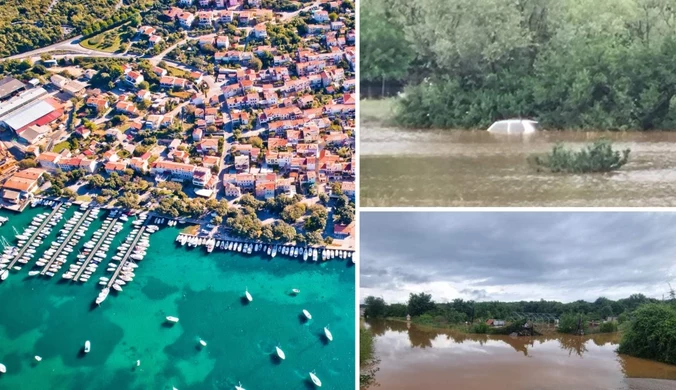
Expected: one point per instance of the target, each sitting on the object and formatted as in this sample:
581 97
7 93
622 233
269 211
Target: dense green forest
30 24
571 64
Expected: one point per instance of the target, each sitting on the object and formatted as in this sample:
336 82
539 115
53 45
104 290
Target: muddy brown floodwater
421 358
476 168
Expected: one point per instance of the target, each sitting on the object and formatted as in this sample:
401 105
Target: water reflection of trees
421 337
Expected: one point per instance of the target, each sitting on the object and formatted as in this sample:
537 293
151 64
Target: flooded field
422 358
475 168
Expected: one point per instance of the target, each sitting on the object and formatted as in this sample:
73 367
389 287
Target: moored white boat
280 353
172 319
315 380
307 314
328 334
87 346
248 295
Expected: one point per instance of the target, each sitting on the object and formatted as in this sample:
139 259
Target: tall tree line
571 64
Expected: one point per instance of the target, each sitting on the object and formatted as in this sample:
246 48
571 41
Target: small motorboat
38 358
138 363
172 319
295 291
280 353
315 380
3 369
203 343
328 334
307 314
247 295
87 346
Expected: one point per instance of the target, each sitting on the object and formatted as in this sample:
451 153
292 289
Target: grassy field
108 41
176 72
380 110
61 146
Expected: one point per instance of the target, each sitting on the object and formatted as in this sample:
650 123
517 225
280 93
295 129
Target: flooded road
422 358
475 168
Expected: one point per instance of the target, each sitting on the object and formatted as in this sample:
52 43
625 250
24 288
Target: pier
32 238
95 249
66 241
125 258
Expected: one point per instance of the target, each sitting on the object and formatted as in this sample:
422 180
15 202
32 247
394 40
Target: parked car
514 126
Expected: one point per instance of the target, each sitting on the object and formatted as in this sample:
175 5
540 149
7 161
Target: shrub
597 157
568 323
651 334
608 327
480 328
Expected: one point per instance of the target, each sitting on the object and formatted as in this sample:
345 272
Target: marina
109 227
304 252
66 241
31 239
134 326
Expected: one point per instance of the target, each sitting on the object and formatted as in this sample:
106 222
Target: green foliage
651 334
572 323
367 359
480 328
28 163
608 327
375 307
598 157
419 304
572 64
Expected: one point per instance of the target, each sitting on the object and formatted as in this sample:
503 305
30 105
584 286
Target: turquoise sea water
52 318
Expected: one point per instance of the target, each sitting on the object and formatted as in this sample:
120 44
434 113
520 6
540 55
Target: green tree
375 307
419 304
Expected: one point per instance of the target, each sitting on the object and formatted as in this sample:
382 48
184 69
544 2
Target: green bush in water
570 322
608 327
480 328
651 334
597 157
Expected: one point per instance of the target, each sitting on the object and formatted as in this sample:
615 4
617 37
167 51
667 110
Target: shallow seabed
53 318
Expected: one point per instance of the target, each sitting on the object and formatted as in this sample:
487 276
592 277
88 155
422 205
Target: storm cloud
507 256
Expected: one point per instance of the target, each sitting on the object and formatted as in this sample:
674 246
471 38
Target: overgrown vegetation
597 157
473 315
572 64
367 359
651 334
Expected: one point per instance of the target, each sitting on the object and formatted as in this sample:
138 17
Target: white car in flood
514 126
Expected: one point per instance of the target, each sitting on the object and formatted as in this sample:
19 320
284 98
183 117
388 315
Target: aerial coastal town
234 118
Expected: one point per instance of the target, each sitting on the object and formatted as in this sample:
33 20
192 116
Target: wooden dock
95 249
66 241
34 236
125 258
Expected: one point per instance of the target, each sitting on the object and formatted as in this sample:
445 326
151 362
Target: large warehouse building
39 113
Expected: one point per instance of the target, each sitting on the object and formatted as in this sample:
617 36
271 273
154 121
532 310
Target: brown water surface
475 168
412 357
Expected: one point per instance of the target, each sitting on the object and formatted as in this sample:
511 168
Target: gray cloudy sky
516 255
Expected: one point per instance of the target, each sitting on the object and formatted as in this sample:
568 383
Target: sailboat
247 295
327 333
307 314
